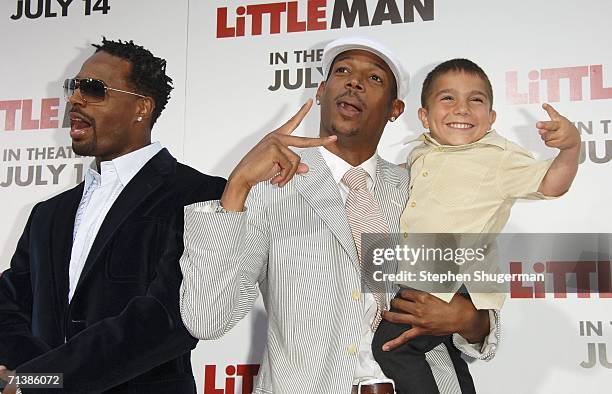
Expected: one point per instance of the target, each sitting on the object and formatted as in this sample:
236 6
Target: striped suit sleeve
225 257
486 350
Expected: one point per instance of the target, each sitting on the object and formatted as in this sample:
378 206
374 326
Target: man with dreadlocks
92 289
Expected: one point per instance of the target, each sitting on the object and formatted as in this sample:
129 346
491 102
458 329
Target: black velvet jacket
122 331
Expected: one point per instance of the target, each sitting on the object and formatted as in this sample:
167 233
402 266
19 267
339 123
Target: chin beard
349 132
87 149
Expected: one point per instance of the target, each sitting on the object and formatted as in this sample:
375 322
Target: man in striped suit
293 240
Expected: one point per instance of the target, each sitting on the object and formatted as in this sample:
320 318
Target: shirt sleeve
520 175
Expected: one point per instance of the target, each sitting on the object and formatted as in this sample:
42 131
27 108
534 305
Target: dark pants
407 365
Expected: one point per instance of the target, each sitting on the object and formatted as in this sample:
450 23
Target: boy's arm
560 133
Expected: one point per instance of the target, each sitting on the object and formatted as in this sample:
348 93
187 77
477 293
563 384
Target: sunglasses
91 90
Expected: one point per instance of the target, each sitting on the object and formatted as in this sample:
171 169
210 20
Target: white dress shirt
99 194
367 371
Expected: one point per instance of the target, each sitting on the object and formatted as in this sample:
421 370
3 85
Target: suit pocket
135 251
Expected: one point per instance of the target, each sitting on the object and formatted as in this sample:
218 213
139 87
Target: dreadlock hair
148 73
455 65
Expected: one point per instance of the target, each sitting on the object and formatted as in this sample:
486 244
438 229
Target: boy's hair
455 65
148 72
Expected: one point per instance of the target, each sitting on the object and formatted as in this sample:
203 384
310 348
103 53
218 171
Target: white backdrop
225 100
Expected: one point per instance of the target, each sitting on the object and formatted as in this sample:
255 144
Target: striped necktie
364 216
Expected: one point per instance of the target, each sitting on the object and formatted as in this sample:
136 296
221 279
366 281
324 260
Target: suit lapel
146 182
61 243
320 191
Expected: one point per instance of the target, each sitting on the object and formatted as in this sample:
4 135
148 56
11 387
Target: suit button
352 350
425 173
413 204
355 295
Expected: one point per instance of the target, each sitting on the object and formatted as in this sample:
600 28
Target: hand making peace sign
270 159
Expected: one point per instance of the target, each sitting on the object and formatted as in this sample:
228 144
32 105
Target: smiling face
458 110
358 99
108 129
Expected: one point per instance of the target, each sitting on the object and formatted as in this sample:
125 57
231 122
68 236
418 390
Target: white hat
344 44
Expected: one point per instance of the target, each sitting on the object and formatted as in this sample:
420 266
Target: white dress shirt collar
339 167
123 167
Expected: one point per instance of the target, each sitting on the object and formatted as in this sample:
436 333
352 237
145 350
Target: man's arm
225 258
226 252
430 315
17 344
560 133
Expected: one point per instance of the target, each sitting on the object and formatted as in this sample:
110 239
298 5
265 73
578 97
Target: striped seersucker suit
293 244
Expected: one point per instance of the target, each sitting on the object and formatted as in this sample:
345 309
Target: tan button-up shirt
468 188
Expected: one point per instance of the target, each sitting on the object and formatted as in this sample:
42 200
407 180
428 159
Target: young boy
464 179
